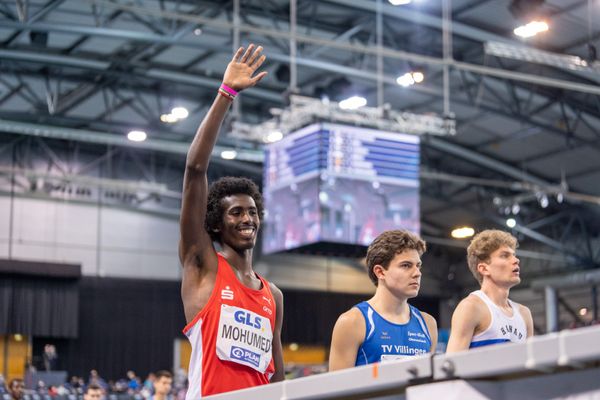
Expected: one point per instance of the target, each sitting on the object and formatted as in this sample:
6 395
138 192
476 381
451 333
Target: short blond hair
484 244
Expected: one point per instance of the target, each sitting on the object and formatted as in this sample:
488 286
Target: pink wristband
229 90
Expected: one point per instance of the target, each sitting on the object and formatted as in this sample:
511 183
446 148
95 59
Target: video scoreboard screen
339 184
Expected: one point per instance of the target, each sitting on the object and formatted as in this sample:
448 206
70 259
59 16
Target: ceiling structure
76 76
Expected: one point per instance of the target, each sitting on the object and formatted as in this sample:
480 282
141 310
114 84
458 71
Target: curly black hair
224 187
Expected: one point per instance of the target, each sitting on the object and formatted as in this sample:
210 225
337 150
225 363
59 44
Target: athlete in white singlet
487 316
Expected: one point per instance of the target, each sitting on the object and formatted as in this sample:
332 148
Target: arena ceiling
527 142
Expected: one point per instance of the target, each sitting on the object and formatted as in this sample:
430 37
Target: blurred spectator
16 388
162 385
133 383
93 392
149 382
50 357
96 379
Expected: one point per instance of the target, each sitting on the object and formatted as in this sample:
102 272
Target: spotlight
228 154
168 118
399 2
511 222
516 209
180 112
464 232
274 136
137 136
531 29
352 103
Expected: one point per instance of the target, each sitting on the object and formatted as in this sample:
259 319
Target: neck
498 294
240 260
386 302
159 396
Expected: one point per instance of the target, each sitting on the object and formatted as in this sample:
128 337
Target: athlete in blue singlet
385 341
487 316
386 327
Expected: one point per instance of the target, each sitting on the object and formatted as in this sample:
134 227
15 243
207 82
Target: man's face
162 386
93 394
17 389
503 267
240 223
403 275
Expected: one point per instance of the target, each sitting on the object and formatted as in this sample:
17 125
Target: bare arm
465 320
348 335
433 330
277 350
195 246
526 313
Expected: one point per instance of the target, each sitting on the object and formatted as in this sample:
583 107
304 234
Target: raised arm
195 246
348 335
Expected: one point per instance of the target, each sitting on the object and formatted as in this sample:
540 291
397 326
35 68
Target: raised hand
243 65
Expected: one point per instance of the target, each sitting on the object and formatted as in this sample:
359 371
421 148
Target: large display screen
339 184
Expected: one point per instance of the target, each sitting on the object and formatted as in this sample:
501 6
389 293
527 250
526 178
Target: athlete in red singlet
234 316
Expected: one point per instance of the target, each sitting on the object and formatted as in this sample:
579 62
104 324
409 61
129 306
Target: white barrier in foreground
531 370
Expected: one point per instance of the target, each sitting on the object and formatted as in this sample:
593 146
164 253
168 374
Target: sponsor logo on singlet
509 330
417 337
399 350
227 294
245 355
244 337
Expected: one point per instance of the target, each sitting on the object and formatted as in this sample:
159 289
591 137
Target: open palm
243 65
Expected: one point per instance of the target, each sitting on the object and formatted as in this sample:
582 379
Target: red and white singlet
231 337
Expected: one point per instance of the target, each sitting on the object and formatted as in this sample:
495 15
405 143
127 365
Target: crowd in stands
161 385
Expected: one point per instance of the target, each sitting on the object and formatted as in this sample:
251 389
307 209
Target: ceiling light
531 29
516 208
137 136
511 222
583 311
544 201
228 154
274 136
528 54
168 118
197 31
294 346
405 80
410 78
463 232
399 2
180 112
352 103
418 76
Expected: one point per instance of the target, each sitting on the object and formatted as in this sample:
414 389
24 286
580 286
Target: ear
379 271
482 268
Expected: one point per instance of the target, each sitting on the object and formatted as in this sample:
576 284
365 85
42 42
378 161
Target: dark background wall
131 324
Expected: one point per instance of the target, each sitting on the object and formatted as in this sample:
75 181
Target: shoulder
524 310
429 320
471 303
472 309
351 318
276 292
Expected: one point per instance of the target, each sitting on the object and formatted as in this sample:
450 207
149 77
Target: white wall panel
126 243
